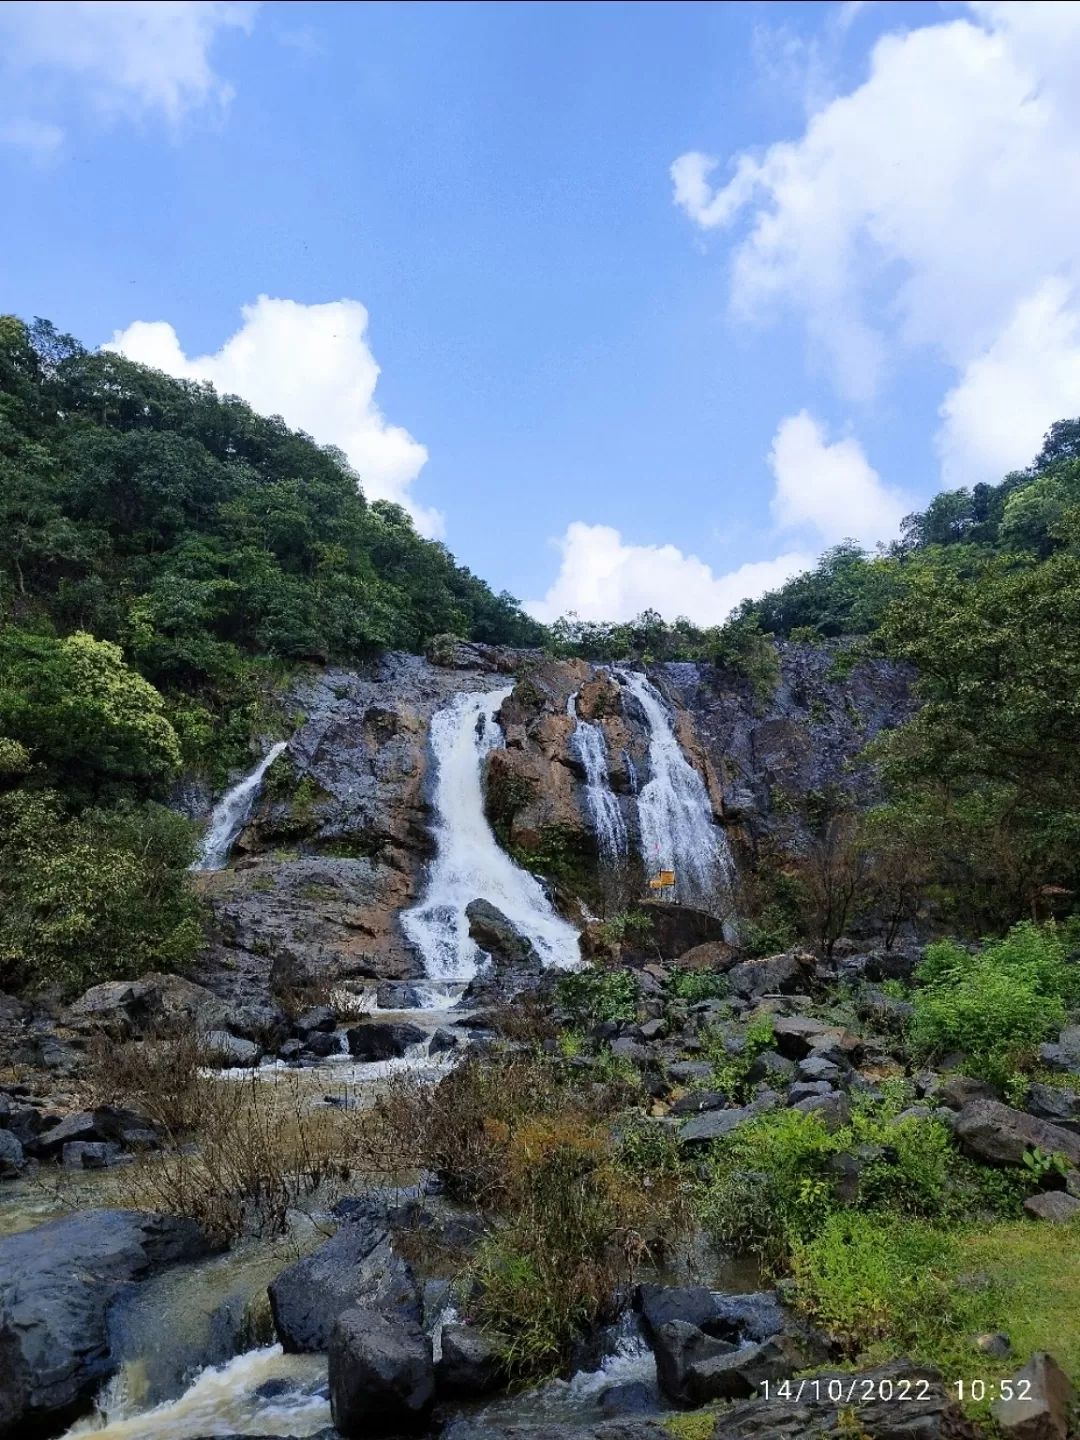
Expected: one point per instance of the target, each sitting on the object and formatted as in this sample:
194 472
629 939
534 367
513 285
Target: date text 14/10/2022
851 1390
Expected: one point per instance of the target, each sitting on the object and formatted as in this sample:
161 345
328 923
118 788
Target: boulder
684 1072
80 1126
89 1154
383 1039
442 1040
470 1363
676 930
698 1101
776 975
777 1069
513 955
956 1091
12 1159
998 1135
1053 1103
320 1045
715 1124
318 1018
713 955
833 1110
356 1268
815 1067
382 1377
228 1050
1040 1410
930 1413
396 995
154 1004
1054 1205
693 1368
797 1035
126 1127
56 1285
804 1089
661 1305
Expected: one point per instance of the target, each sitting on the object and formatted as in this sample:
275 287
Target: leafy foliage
996 1006
93 897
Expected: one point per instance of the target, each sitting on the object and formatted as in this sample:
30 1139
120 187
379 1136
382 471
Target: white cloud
923 207
602 578
40 140
996 417
129 57
831 488
310 364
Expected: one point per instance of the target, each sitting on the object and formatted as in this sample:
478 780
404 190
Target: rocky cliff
337 846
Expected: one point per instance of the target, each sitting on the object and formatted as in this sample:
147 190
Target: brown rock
1038 1407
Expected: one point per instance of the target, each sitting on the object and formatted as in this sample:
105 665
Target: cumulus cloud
310 364
995 418
128 57
925 207
603 578
833 489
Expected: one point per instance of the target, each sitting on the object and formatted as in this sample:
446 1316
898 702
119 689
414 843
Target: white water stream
677 828
468 864
232 810
590 745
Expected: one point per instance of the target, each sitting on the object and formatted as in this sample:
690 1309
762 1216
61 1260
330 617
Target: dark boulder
57 1283
51 1142
956 1091
382 1377
1053 1103
697 1101
1053 1205
864 1404
674 932
470 1364
513 955
127 1128
797 1035
397 995
12 1158
383 1039
998 1135
356 1268
776 975
660 1305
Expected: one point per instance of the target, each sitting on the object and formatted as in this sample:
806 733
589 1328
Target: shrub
589 996
696 985
94 897
995 1006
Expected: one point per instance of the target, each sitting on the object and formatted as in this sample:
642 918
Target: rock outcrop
57 1283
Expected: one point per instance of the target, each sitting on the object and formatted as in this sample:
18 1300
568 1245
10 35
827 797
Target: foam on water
468 864
224 1400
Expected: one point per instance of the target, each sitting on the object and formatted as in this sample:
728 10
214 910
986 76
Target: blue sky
632 303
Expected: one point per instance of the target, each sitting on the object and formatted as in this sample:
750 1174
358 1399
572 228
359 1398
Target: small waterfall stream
677 829
469 864
232 810
590 746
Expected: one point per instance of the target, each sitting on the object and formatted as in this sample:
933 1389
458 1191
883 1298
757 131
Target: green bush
93 897
868 1278
995 1006
694 986
589 996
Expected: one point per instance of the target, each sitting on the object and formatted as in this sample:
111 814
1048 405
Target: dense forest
165 555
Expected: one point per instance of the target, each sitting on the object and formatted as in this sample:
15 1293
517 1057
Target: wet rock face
56 1285
760 762
336 846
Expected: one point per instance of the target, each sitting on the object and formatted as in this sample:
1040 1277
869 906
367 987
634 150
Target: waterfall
230 813
468 864
677 828
590 746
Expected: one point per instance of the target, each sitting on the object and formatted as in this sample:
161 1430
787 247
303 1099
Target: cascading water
230 813
590 746
469 865
677 829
